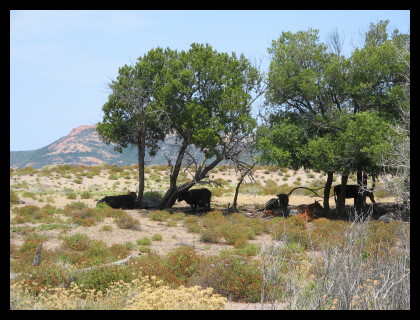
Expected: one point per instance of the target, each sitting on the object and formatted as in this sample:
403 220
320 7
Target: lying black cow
351 192
196 197
277 203
126 201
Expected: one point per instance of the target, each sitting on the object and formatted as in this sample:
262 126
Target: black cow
351 192
126 201
272 204
196 197
277 203
283 203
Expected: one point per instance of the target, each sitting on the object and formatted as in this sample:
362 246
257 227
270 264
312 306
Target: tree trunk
174 177
141 154
327 189
235 198
200 174
341 201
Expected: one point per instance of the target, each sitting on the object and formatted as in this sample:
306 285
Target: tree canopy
329 112
324 111
201 96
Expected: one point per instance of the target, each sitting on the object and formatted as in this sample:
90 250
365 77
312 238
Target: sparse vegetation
304 265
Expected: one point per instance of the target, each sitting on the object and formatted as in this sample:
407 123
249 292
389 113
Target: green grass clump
14 199
145 241
76 242
33 214
128 222
159 215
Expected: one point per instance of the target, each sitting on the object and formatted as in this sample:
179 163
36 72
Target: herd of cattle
202 197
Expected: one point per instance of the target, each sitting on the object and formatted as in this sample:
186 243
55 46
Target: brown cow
308 215
306 211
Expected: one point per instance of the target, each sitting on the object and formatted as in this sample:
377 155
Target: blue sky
62 61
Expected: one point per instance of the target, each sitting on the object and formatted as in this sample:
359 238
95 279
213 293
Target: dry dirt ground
48 189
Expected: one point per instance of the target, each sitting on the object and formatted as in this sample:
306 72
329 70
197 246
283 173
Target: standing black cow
126 201
196 197
351 192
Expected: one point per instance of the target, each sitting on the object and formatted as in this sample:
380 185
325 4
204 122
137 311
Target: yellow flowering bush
144 293
181 298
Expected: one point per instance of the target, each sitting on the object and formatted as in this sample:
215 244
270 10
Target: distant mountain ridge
83 146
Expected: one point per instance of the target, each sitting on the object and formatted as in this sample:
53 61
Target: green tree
209 96
321 93
201 96
131 114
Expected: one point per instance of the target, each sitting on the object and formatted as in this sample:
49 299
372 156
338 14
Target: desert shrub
284 188
85 195
159 215
258 226
183 262
130 246
217 192
144 241
181 298
128 222
78 180
85 217
271 190
98 253
31 243
193 227
77 242
101 278
285 271
162 167
230 276
212 234
106 211
31 213
153 194
71 196
213 223
381 238
157 237
106 228
153 264
177 216
144 248
213 219
14 199
22 230
172 223
44 276
27 212
351 276
76 205
238 236
292 229
328 233
250 249
27 171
